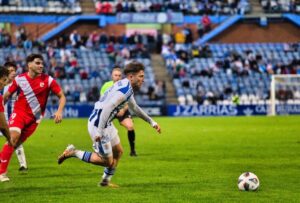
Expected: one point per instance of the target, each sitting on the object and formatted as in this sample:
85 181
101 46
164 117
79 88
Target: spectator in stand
106 8
125 53
119 6
206 23
112 38
188 34
166 38
180 41
98 6
145 6
200 29
84 39
122 39
242 6
110 50
75 39
132 7
195 51
5 39
103 39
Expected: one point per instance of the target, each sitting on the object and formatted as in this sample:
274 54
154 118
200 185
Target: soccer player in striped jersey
106 141
9 106
34 88
124 115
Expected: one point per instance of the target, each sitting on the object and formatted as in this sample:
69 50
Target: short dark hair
118 68
10 64
31 58
3 71
133 67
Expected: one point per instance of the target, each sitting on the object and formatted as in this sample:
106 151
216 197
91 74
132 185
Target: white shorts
107 141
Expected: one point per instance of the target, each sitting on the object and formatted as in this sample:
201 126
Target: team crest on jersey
42 84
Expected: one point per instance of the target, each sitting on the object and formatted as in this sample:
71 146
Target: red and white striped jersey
33 93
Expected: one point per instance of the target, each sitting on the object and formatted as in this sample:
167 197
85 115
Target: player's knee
130 127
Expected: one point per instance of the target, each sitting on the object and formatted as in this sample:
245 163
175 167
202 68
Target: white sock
83 155
108 173
79 154
21 156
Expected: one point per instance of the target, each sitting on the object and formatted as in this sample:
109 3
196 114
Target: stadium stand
194 7
213 73
81 70
40 6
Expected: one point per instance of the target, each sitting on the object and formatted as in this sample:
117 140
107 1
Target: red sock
6 154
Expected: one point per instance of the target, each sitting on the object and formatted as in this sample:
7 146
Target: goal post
284 92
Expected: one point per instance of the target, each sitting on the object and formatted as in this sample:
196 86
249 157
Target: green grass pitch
193 160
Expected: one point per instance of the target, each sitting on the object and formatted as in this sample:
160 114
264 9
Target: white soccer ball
248 181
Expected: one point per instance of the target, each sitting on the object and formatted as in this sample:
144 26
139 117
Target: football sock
131 138
83 155
21 156
108 173
6 154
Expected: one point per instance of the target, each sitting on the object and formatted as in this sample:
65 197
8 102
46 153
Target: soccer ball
248 181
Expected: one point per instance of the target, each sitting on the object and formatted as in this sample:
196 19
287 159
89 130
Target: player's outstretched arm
140 113
58 115
4 127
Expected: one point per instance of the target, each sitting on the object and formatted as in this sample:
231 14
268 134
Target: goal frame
272 110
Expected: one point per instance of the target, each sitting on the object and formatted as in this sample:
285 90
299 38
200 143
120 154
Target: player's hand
57 117
157 128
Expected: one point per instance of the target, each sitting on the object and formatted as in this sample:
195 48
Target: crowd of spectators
86 59
191 62
41 6
280 6
187 7
194 7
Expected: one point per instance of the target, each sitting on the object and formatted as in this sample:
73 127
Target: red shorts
23 124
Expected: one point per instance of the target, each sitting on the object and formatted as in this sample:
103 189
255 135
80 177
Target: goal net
285 95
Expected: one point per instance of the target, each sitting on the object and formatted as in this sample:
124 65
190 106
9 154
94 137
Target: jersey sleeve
1 104
13 87
54 86
139 111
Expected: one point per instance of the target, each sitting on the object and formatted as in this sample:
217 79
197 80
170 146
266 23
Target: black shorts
125 115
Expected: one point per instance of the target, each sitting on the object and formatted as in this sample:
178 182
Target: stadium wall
238 33
252 33
84 110
35 30
89 26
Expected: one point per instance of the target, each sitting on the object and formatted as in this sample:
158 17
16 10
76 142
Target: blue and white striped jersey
112 101
9 106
